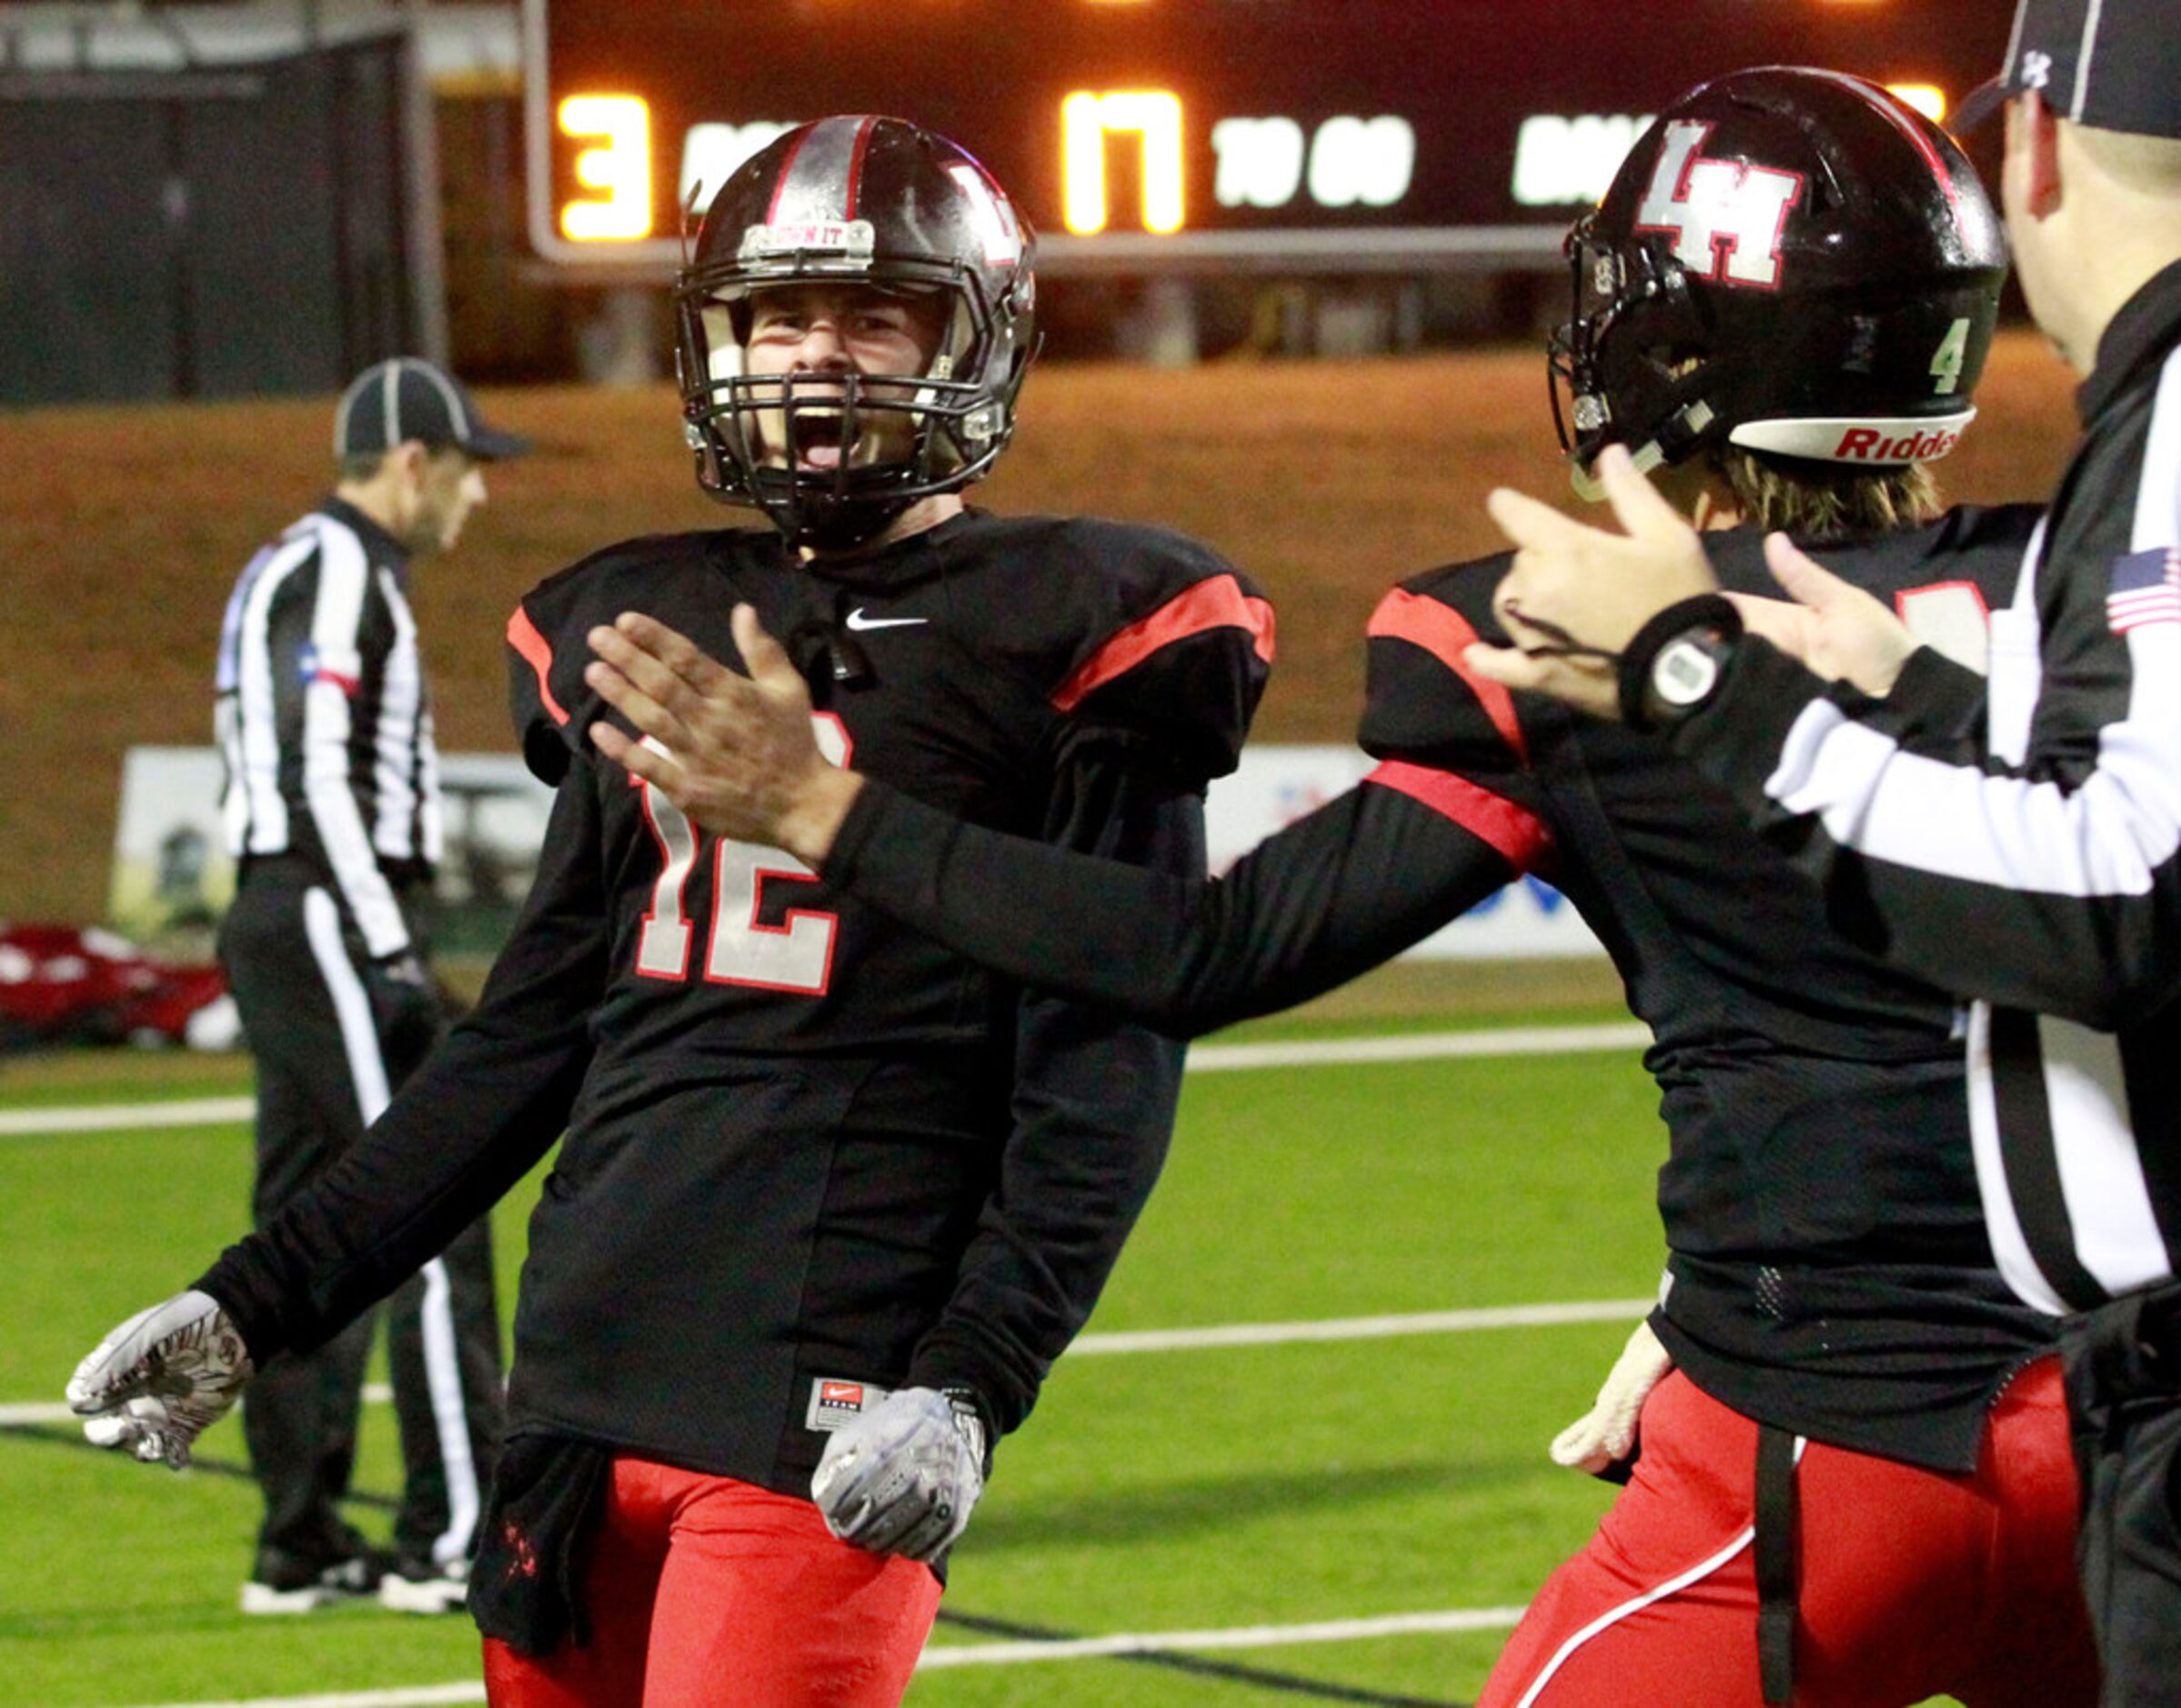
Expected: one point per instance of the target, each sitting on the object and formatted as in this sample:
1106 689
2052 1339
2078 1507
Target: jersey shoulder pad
1421 702
1141 628
548 700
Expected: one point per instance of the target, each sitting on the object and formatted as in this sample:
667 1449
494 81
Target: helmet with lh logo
1791 261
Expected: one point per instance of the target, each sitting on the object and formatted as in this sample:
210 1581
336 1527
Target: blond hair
1820 500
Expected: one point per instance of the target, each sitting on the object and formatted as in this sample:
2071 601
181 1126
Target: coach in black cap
2017 842
332 810
2094 62
2092 96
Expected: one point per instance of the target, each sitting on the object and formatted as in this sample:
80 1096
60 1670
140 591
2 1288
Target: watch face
1684 672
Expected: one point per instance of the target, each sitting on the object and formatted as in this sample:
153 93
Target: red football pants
1910 1582
706 1591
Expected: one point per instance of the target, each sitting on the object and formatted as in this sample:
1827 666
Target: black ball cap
407 397
2112 65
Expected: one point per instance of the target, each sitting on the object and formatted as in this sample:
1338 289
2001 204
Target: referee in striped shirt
2017 841
332 811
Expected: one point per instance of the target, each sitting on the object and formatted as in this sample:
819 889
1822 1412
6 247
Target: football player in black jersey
831 1196
1855 1485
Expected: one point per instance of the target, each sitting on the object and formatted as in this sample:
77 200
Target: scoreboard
1147 135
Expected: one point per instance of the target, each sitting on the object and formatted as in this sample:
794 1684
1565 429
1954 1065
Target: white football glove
155 1382
902 1478
1608 1431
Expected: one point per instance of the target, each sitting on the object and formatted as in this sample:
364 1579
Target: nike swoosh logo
859 623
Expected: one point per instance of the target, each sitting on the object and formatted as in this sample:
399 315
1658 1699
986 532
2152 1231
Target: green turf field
1154 1492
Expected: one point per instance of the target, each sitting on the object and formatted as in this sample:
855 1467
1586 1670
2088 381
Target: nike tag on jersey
858 623
835 1402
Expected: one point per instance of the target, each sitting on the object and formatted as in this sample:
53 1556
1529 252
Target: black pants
333 1038
2124 1399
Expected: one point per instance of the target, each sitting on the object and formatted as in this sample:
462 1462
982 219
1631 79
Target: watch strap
1711 615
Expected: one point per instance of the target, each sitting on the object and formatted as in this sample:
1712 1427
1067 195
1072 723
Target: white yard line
1361 1328
1332 1052
1520 1040
197 1112
999 1653
1199 1339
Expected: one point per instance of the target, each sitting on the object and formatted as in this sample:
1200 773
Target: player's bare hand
1576 595
1838 630
736 754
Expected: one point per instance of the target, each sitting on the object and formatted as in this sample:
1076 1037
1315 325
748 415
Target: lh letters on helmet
1727 217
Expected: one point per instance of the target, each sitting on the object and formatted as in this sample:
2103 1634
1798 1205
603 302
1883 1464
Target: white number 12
795 955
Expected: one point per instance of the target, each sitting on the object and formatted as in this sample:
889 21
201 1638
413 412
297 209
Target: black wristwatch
1676 662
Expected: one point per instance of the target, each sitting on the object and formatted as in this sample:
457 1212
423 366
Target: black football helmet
1790 260
865 200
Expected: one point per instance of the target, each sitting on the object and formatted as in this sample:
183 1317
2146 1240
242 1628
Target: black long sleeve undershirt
1092 1110
1329 896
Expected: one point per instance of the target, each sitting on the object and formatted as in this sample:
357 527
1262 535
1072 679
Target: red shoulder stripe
1519 837
523 636
1444 633
1219 603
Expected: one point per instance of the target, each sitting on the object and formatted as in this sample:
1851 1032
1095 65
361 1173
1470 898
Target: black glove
405 1006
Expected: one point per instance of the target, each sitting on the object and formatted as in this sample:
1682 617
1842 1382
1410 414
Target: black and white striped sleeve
2043 871
334 667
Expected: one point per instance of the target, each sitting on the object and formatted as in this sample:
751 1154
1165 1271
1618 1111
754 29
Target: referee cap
407 397
2112 65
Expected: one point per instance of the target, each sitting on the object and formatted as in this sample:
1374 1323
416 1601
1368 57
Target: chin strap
836 526
1675 440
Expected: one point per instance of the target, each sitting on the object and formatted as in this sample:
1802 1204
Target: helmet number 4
1947 360
795 955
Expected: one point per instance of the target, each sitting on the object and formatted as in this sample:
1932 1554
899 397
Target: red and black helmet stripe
821 181
1894 114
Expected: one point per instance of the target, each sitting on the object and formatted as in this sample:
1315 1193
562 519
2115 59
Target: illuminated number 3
795 955
620 166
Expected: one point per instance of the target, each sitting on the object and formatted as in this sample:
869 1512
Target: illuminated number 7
1155 116
797 955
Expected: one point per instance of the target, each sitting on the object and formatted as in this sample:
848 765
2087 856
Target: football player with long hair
831 1198
1854 1483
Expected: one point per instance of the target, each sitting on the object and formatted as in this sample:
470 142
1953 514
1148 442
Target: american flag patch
2146 588
313 666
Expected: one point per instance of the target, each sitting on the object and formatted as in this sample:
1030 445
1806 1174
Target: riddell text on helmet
1868 445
